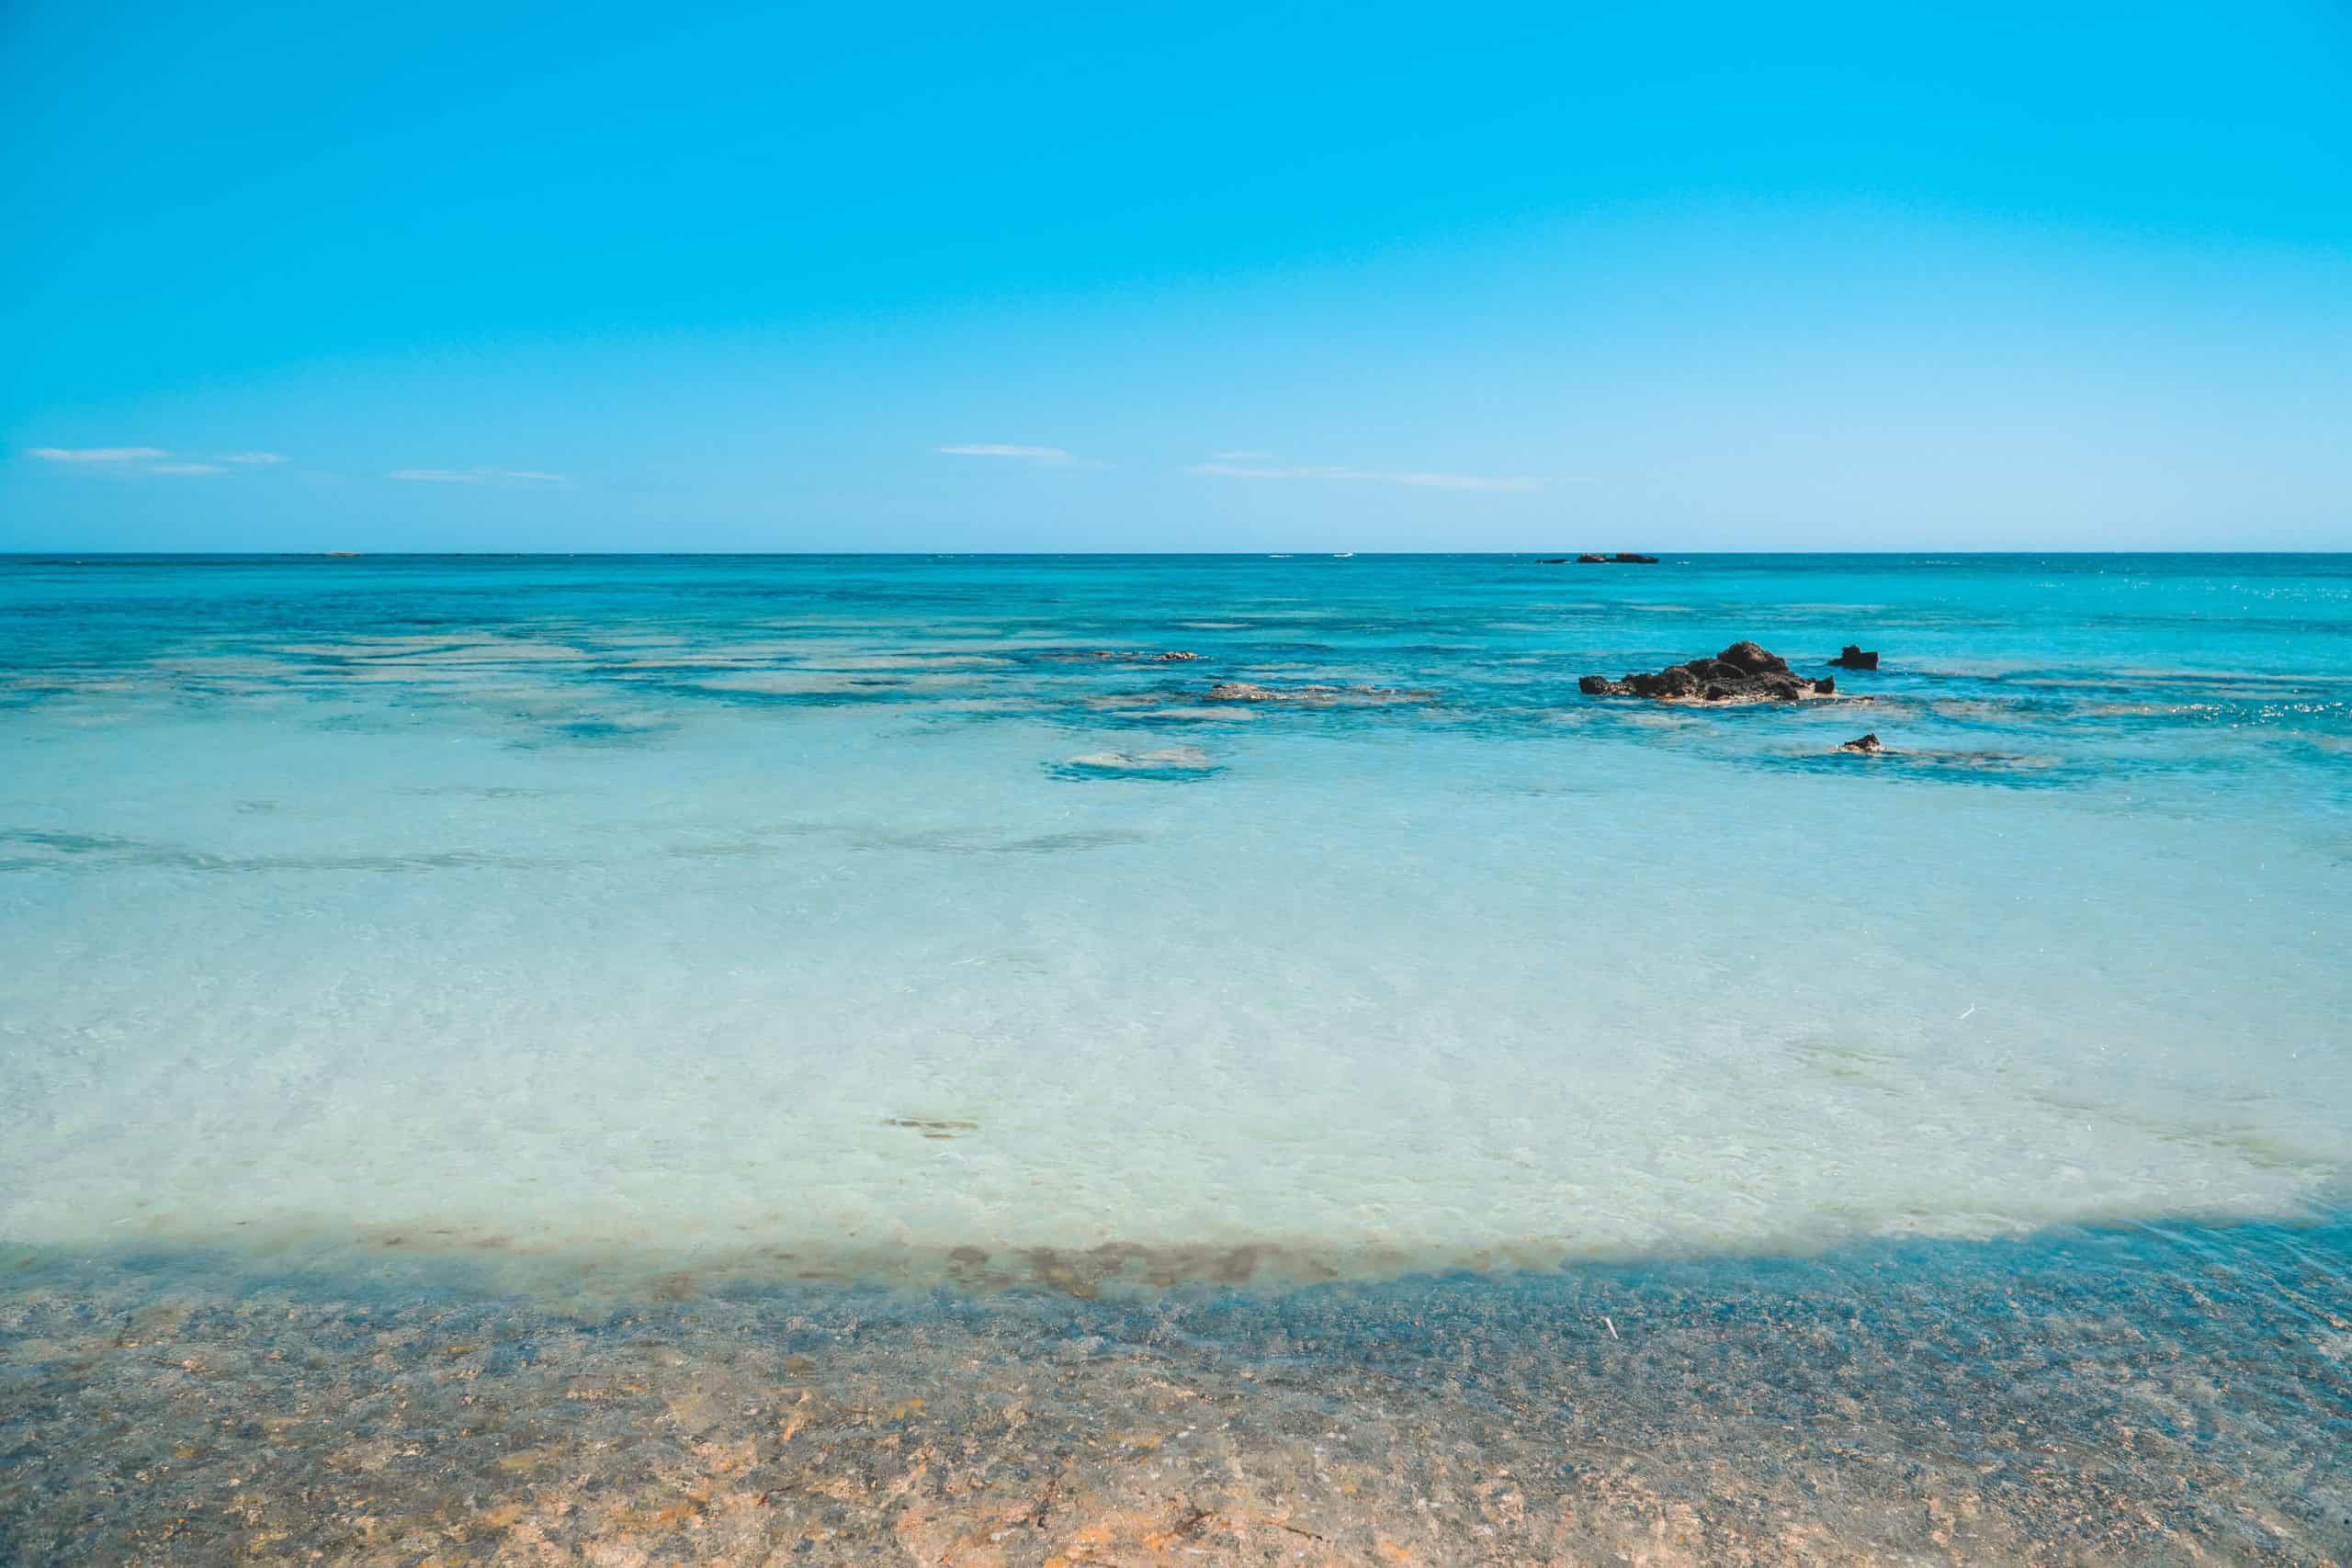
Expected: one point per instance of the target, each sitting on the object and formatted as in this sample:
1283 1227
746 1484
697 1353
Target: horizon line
1314 553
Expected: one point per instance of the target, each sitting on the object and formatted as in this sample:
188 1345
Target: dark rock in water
1627 558
1744 672
1552 560
1866 744
1853 658
1591 560
1753 658
1825 687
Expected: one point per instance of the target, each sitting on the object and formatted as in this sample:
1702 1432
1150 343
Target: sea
635 1059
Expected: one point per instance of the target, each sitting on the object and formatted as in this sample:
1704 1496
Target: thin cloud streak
1233 471
1051 455
98 454
153 459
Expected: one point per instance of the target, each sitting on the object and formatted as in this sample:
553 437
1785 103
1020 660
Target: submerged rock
1853 658
1742 673
1315 696
1166 759
1865 744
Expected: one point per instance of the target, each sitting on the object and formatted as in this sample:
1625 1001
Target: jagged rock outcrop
1744 672
1630 558
1868 745
1853 658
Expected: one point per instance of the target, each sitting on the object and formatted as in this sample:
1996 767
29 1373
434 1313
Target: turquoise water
908 919
729 1060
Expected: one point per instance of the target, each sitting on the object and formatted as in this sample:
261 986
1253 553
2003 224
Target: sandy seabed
2145 1397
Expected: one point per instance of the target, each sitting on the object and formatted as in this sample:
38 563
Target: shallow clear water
2150 1397
820 1060
859 918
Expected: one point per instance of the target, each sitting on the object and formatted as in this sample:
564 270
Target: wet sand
2146 1396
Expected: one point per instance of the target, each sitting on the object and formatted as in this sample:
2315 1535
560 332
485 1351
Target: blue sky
444 277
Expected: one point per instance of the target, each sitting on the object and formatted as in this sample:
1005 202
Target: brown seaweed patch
1086 1273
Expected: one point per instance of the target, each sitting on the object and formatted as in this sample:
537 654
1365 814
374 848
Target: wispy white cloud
477 477
1050 455
154 459
1243 456
1230 466
98 454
